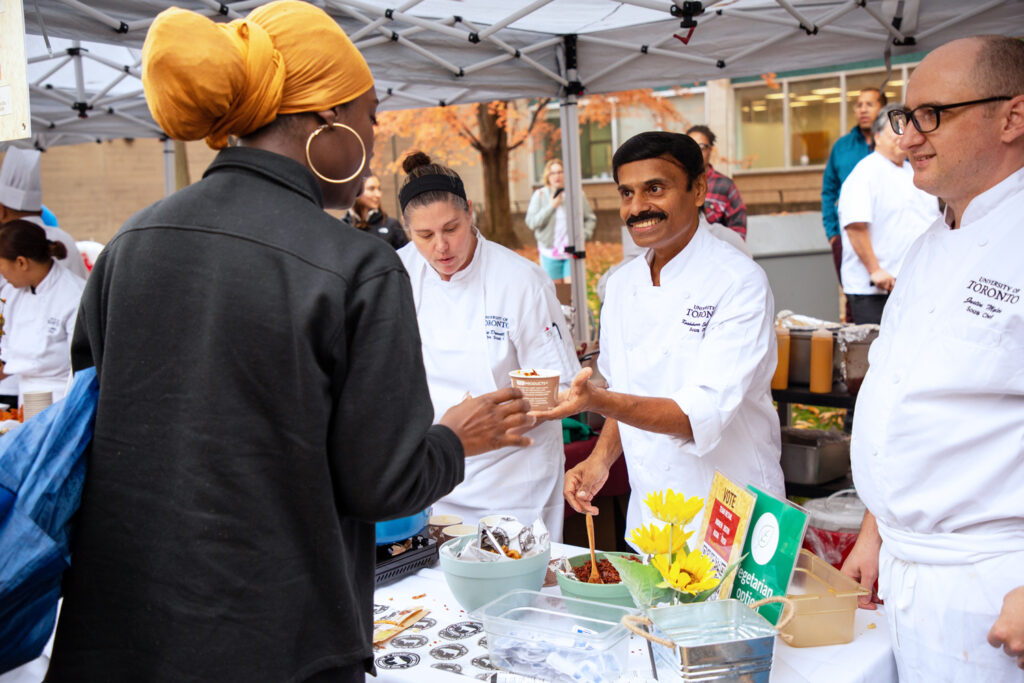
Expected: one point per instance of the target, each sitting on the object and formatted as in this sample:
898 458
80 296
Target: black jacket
262 402
381 225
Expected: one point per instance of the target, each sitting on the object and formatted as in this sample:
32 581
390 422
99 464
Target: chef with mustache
687 345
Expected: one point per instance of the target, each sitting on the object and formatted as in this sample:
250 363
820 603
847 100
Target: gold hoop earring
321 176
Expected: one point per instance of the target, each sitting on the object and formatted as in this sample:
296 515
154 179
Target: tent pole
570 124
169 168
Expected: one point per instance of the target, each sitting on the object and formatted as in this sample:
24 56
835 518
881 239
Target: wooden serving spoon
595 576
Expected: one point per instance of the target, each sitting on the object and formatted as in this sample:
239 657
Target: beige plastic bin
824 602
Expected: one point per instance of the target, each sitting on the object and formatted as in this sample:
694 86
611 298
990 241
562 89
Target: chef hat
211 80
21 187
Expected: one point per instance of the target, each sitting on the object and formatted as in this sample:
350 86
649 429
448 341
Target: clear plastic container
825 603
555 638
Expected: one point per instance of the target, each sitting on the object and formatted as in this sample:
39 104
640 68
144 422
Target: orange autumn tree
486 133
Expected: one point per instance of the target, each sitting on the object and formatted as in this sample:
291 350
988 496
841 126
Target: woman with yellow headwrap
262 394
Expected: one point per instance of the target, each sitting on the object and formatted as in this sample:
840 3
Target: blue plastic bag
42 469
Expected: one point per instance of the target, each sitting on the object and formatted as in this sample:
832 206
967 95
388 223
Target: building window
762 131
795 122
813 120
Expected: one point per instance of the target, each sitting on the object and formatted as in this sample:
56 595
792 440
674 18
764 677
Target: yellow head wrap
209 80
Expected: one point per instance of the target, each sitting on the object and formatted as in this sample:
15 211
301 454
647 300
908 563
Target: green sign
773 543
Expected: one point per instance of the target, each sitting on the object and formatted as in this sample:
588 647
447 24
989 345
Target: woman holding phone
549 221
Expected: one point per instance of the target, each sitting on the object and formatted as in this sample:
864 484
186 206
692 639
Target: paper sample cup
539 387
437 523
35 402
457 530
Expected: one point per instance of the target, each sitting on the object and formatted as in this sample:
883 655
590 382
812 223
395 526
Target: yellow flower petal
691 573
654 541
672 507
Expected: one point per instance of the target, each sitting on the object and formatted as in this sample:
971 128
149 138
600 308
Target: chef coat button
666 467
896 378
982 243
931 309
874 452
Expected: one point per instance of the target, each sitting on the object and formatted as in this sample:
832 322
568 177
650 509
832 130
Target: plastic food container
555 638
824 601
834 525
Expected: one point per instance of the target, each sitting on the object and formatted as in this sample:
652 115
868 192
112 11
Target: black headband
430 183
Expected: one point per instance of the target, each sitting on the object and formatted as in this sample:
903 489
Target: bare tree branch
533 121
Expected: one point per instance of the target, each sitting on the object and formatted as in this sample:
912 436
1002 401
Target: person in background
938 443
548 219
41 301
847 153
723 204
366 215
483 312
21 194
687 345
262 396
882 213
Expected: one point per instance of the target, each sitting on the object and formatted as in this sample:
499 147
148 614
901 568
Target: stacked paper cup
35 402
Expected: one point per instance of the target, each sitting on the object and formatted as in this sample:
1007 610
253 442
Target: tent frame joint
689 10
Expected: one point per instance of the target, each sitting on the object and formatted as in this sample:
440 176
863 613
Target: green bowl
608 593
475 584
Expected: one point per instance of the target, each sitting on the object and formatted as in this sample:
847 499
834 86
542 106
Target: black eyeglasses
926 117
704 146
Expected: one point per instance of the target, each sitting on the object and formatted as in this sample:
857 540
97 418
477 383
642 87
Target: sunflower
653 541
691 573
672 507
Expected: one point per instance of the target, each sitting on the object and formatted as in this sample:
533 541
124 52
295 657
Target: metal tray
814 460
718 640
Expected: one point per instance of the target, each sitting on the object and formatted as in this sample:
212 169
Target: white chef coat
938 443
37 331
704 338
497 315
883 195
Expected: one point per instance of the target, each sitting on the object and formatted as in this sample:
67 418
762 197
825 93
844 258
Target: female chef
41 301
484 311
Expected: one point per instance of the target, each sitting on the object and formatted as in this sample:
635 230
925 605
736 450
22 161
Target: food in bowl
605 569
573 585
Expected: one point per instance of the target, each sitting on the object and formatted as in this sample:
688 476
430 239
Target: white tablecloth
867 658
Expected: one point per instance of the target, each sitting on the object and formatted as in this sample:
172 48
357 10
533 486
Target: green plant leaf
642 581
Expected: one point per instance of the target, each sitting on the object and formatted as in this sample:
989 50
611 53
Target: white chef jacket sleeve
542 338
855 197
737 356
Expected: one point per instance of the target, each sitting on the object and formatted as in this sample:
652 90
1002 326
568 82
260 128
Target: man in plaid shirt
723 203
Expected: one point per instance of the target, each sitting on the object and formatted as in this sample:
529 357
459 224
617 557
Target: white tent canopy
444 52
430 52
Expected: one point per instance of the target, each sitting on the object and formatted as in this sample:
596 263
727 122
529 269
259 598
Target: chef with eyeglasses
938 443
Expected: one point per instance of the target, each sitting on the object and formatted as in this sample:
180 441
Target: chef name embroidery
496 327
52 325
987 297
697 318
